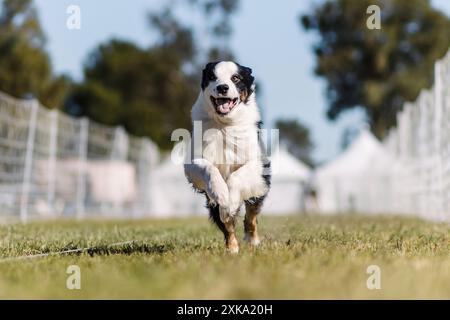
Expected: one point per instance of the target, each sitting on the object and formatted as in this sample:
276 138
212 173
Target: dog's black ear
247 80
208 74
247 77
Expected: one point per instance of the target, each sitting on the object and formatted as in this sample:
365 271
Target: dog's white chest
229 148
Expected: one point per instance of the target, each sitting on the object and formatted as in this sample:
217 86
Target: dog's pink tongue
226 107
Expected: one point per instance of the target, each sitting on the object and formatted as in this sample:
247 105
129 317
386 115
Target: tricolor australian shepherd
229 164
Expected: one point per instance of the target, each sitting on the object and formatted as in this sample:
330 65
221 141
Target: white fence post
53 146
146 161
82 168
120 145
438 93
28 165
119 153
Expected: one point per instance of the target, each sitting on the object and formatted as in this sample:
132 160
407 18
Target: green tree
220 28
142 89
296 138
25 68
149 91
377 70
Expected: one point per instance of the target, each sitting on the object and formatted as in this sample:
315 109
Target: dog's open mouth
224 105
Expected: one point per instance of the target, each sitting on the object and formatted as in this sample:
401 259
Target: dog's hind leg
228 228
252 209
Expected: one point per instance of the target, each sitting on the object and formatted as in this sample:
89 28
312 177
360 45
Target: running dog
229 164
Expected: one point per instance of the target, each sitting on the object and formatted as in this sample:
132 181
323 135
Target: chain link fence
54 165
420 181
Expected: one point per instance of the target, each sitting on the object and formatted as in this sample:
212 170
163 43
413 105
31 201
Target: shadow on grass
99 250
129 249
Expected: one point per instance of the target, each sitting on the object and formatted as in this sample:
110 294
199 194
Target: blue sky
267 37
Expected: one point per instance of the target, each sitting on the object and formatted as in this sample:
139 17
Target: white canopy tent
358 180
290 179
171 194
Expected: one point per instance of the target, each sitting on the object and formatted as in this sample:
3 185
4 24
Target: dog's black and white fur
229 165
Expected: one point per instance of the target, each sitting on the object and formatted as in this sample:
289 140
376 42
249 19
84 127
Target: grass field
301 257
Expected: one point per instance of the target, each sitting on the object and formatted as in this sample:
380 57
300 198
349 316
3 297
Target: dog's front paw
218 192
228 213
225 214
234 201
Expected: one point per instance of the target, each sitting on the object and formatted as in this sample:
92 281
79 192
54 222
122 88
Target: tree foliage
25 68
376 69
143 90
149 90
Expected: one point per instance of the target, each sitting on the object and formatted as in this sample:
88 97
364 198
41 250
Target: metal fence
54 165
420 180
407 173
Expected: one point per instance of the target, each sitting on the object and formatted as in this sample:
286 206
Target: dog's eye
235 78
212 77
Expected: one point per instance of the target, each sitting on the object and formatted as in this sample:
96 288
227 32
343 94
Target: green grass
300 257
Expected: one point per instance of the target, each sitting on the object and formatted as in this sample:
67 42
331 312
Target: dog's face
226 87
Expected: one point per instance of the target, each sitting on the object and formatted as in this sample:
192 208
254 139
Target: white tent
357 180
290 178
171 194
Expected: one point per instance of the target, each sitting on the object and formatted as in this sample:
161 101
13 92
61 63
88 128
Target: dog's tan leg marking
230 236
250 224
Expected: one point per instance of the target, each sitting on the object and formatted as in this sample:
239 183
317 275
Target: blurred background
129 75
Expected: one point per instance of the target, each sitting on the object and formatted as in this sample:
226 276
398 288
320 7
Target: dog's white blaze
224 71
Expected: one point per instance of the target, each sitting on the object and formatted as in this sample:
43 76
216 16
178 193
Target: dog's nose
222 88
